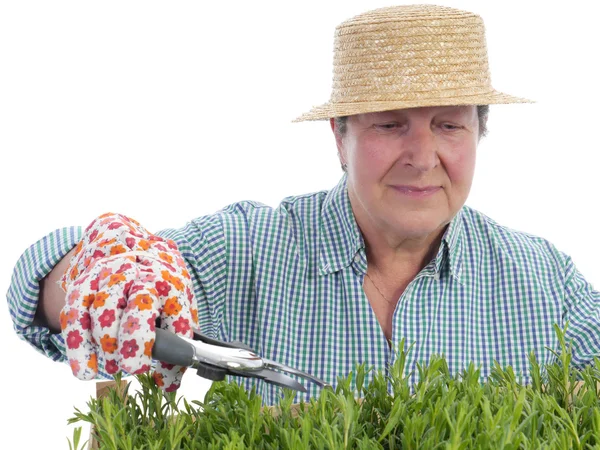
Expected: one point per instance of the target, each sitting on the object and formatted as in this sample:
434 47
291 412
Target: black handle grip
170 348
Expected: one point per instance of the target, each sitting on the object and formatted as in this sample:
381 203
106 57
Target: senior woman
332 279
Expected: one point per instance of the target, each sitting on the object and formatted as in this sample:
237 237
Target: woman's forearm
52 297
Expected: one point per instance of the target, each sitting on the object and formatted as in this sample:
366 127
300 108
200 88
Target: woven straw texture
406 57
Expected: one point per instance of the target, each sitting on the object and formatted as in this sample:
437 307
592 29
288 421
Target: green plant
559 409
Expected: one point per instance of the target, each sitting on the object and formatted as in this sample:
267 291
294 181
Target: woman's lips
417 191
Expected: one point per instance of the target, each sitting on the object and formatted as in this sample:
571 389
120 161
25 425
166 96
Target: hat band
422 91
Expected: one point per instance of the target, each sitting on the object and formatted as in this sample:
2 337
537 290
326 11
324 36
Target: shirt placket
402 328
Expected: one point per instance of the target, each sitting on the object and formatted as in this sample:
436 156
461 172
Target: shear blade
273 377
280 379
275 365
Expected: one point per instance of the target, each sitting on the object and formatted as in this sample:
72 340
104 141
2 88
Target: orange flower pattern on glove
119 281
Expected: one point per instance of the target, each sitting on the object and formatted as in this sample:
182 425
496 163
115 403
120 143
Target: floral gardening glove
119 281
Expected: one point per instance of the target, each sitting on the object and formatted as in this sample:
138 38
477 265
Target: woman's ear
339 142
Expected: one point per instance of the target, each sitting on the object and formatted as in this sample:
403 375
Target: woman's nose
421 149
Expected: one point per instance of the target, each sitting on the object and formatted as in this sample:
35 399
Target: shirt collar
450 251
340 238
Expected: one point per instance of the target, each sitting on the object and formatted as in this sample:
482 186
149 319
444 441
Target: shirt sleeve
201 243
23 293
582 315
203 246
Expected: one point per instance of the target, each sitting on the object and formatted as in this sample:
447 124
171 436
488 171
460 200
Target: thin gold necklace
378 290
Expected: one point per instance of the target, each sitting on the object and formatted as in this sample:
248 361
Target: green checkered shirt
288 282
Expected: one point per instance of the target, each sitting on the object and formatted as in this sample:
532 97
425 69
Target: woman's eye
386 126
450 127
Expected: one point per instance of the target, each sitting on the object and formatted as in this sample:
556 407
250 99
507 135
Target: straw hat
406 57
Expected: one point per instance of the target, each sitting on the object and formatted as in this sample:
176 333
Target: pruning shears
214 359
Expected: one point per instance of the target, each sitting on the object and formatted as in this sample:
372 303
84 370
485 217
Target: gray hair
341 123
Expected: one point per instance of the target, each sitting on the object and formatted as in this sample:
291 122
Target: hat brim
330 110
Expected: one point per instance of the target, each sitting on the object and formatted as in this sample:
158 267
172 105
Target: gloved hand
119 281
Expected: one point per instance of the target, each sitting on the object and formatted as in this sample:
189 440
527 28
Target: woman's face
410 170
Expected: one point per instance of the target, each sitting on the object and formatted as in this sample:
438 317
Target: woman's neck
409 256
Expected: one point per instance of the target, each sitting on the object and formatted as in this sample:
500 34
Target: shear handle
171 349
198 336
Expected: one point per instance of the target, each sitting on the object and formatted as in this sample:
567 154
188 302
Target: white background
168 110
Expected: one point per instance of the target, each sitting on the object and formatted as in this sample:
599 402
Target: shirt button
436 276
356 258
